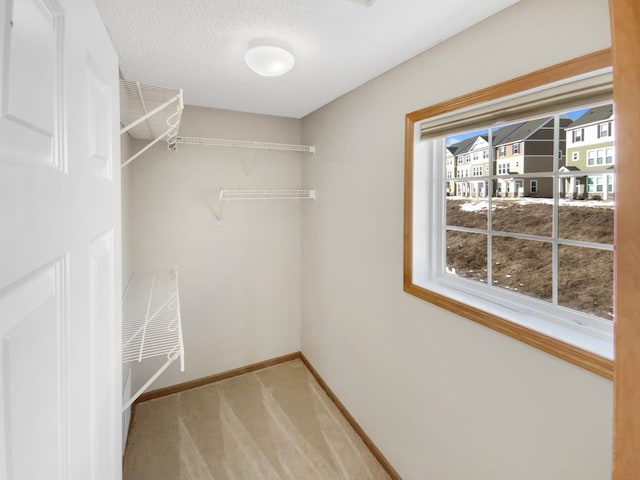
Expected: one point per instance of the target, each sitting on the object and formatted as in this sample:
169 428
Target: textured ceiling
199 45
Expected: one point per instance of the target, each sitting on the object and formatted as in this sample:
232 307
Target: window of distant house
600 156
578 135
539 257
485 154
604 130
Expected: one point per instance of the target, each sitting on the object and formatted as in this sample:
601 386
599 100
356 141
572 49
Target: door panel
32 328
30 99
102 354
100 121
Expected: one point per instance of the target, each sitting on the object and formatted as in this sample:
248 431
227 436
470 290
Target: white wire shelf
150 113
246 194
219 142
151 323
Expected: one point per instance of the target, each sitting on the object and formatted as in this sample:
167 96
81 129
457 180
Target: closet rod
219 142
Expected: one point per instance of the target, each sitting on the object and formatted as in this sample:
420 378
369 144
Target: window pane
585 280
586 220
533 216
471 212
467 255
522 266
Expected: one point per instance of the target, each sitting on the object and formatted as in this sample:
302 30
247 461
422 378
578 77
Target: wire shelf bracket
150 113
219 142
151 323
230 195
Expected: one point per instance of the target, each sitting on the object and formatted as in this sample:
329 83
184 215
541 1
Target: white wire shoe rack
150 113
151 323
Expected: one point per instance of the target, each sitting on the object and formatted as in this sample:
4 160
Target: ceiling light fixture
269 60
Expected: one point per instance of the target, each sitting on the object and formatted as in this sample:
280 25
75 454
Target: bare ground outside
585 275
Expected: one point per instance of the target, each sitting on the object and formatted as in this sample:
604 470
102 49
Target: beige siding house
590 149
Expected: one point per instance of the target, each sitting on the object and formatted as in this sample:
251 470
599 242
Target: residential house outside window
503 168
533 186
501 151
516 148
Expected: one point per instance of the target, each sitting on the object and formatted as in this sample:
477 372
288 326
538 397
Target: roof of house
515 132
593 115
521 131
569 168
463 146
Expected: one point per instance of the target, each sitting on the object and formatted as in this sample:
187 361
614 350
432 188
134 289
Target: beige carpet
273 424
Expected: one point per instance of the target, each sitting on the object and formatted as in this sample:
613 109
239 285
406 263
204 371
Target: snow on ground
477 205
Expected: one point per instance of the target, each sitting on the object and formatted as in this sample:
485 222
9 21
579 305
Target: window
600 156
575 156
516 148
604 130
485 154
595 184
530 267
578 135
475 156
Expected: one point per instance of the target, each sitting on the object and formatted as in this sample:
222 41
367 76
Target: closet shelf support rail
220 142
246 194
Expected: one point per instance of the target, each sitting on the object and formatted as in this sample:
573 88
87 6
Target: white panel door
60 286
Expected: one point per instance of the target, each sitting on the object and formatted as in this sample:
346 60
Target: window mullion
489 192
556 200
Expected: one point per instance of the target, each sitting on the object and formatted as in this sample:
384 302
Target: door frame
625 41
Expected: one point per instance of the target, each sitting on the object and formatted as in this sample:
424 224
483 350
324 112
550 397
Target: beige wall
444 398
240 281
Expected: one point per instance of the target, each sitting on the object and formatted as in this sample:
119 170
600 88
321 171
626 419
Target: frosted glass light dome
269 60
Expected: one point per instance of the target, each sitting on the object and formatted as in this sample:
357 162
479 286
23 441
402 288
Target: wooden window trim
577 356
625 18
